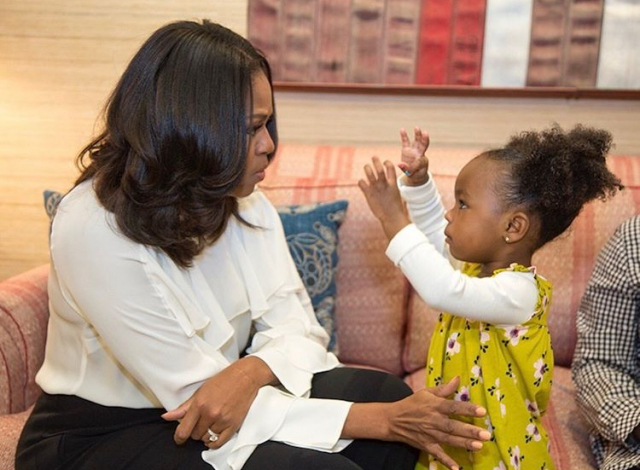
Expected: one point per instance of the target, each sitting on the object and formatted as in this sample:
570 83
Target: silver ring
213 437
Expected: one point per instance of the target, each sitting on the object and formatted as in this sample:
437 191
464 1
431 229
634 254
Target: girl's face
477 222
260 143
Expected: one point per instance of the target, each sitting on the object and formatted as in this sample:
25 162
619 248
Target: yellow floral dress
507 370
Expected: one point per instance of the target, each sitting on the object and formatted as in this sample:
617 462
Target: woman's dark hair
175 139
553 174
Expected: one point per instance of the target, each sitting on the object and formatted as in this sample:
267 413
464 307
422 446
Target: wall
59 60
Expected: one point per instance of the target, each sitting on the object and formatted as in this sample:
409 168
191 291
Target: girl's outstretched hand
381 191
413 162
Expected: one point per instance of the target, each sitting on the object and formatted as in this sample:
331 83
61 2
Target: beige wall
60 58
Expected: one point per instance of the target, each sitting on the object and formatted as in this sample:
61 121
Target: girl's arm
426 211
508 298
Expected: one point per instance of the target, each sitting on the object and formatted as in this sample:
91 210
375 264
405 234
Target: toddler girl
493 333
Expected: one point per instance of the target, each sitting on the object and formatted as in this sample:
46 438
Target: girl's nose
447 215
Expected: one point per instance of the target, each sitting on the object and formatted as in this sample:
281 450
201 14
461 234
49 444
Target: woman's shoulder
81 203
81 220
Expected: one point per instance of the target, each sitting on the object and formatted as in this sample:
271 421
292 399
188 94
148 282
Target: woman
164 260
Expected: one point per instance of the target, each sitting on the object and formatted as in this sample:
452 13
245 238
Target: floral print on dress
514 333
508 370
516 459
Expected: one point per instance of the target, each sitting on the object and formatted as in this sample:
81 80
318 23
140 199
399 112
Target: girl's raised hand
383 197
413 162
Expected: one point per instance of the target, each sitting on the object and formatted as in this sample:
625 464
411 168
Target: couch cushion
23 326
11 426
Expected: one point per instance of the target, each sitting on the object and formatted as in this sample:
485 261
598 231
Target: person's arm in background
606 366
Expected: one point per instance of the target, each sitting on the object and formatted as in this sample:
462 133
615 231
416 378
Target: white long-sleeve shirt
129 328
419 249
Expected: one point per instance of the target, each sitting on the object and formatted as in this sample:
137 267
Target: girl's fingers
368 171
390 171
404 138
417 134
374 171
378 167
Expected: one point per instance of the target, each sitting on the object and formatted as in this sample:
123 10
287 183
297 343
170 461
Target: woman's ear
517 227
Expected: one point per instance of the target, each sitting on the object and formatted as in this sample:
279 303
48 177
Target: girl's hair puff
552 174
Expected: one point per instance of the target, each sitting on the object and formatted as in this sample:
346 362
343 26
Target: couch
380 321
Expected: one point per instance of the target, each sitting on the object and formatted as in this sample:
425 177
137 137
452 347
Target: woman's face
260 143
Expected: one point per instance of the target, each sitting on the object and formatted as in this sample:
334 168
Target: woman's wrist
255 371
367 421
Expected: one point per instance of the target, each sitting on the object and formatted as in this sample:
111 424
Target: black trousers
70 433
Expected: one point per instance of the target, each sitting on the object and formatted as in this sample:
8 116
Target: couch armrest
23 329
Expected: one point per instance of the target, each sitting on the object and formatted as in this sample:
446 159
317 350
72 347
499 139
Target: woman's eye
254 128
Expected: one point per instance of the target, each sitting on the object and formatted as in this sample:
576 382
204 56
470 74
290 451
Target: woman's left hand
221 403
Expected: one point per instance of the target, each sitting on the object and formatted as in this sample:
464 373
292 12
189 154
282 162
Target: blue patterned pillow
312 237
51 200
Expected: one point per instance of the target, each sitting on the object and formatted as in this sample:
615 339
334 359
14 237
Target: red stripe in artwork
434 42
465 57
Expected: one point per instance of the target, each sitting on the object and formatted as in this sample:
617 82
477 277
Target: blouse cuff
277 416
295 371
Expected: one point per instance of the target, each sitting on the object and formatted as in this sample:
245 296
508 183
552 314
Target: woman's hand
382 194
422 420
413 162
221 403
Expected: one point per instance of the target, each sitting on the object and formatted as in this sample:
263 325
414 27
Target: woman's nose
265 143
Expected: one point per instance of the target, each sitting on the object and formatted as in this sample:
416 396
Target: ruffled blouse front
129 328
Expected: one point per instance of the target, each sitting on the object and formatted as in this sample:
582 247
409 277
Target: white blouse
129 328
419 249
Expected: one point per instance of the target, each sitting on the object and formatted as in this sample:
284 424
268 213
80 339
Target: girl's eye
462 204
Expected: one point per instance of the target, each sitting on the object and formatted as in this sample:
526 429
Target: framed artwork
571 47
